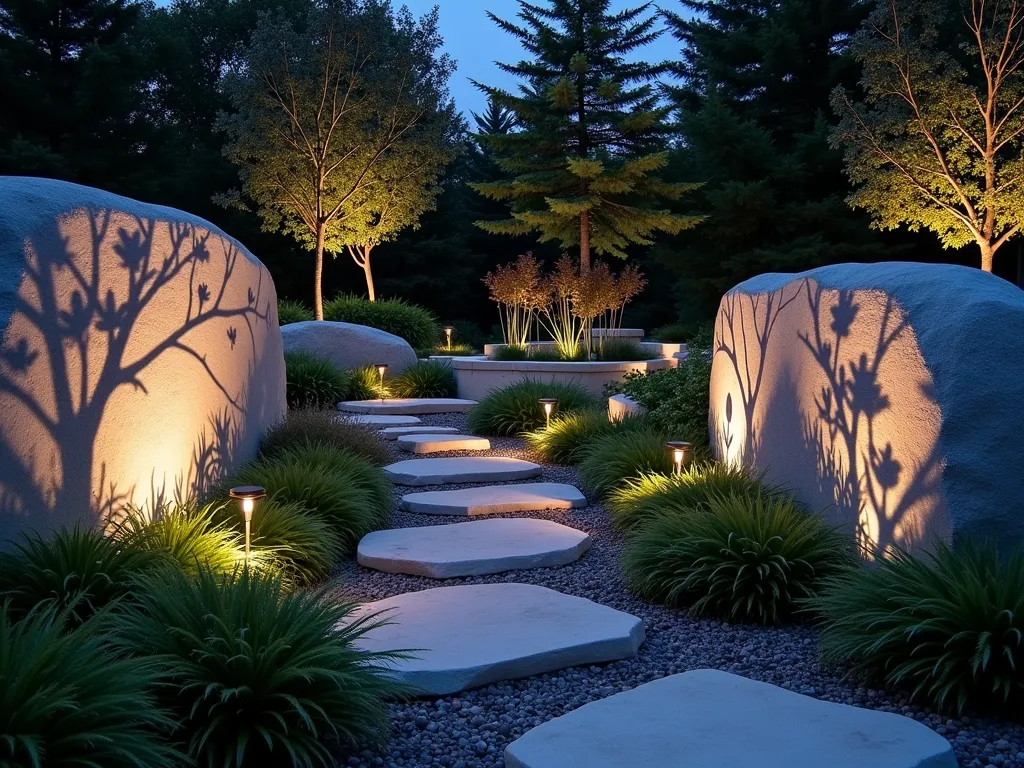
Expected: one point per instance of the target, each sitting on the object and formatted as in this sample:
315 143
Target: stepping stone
472 549
436 443
393 433
384 421
712 719
469 469
495 499
409 405
466 636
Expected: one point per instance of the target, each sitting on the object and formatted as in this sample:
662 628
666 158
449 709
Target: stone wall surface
889 396
140 361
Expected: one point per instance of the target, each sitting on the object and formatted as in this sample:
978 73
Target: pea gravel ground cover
472 729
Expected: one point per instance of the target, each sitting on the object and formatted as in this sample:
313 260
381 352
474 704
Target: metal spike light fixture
382 368
247 496
548 404
448 332
681 452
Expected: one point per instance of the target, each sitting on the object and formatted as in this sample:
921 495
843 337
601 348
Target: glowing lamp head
680 451
548 403
247 496
448 331
382 368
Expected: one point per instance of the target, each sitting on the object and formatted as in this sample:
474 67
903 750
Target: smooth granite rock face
472 549
495 499
140 355
472 635
470 469
374 420
439 443
888 395
711 719
348 345
393 433
409 405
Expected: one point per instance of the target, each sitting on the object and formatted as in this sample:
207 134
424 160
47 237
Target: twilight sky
476 43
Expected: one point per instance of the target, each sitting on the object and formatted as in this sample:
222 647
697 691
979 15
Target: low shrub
327 427
620 454
515 409
947 626
313 381
187 534
289 311
416 325
364 384
430 378
684 333
744 558
66 701
258 675
622 350
351 495
570 433
74 569
640 498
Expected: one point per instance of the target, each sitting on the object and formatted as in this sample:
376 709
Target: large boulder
348 345
887 395
140 361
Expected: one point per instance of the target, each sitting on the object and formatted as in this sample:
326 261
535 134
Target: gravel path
472 729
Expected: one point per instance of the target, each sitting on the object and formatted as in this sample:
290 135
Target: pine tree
583 165
754 120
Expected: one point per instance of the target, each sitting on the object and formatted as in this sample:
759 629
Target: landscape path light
247 496
548 404
448 332
680 451
382 368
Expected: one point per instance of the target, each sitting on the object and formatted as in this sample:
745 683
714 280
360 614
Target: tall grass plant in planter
258 675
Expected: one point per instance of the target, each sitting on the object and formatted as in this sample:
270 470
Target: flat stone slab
393 433
711 719
409 405
472 549
384 421
495 499
468 469
476 634
438 443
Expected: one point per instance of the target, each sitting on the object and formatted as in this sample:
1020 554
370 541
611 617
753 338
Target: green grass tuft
616 456
416 325
948 626
744 558
66 701
639 499
289 311
515 409
313 381
431 378
570 434
327 427
257 675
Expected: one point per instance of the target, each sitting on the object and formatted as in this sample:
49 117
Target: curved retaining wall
476 376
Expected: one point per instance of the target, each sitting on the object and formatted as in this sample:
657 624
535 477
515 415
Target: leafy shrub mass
570 433
431 378
351 495
622 350
685 333
744 558
641 498
74 569
289 311
514 409
313 381
327 427
948 626
416 325
620 454
67 702
257 675
676 399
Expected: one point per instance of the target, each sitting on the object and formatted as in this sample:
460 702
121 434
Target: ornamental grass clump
73 569
331 428
948 626
742 558
364 384
430 378
258 675
351 495
515 409
416 325
289 311
648 495
313 381
616 456
67 701
570 433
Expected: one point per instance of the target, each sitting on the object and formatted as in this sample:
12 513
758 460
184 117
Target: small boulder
348 345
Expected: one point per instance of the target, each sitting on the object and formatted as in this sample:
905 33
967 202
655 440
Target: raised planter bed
476 376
